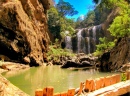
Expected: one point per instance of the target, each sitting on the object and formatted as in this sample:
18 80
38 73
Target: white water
79 37
88 39
94 33
68 42
94 37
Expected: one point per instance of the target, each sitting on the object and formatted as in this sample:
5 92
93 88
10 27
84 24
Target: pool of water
41 77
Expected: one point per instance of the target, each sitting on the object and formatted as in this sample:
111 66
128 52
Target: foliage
59 25
105 45
123 77
89 20
53 22
121 25
55 52
65 8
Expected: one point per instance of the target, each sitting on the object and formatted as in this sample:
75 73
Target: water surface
41 77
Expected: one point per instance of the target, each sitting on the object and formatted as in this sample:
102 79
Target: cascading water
94 36
80 42
79 37
88 44
85 40
94 32
68 42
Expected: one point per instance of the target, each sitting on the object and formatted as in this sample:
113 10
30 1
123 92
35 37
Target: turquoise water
41 77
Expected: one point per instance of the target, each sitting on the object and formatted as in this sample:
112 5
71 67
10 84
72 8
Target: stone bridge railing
104 86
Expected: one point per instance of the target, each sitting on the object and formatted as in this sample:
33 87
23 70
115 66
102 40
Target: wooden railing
89 86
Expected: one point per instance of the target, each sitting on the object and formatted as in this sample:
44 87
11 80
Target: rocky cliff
117 57
23 31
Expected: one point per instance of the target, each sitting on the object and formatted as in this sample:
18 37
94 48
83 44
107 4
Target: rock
13 66
7 89
125 67
26 60
79 61
24 30
70 63
85 64
117 57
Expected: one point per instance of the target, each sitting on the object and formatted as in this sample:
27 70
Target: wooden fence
89 86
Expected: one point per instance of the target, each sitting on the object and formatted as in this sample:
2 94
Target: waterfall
68 42
88 44
94 37
85 39
79 37
94 33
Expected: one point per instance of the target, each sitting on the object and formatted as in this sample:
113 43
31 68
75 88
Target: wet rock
26 60
80 61
70 63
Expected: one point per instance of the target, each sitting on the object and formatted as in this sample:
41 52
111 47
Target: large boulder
23 31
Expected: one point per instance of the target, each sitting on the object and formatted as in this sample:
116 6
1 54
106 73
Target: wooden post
45 92
107 81
128 75
102 81
81 88
39 92
113 79
118 78
71 92
50 91
98 83
89 85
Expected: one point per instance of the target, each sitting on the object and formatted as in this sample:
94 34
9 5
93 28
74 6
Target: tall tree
65 8
53 22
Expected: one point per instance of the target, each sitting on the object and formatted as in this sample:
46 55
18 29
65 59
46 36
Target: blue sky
82 6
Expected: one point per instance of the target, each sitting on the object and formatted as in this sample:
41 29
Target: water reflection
60 79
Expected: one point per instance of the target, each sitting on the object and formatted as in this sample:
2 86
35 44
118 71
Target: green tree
65 8
121 24
54 22
105 45
58 25
90 18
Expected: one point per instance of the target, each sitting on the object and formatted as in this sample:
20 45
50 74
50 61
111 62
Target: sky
82 6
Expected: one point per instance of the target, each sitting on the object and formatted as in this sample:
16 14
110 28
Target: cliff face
117 57
23 31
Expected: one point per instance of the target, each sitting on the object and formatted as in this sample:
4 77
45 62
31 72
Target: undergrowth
55 52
